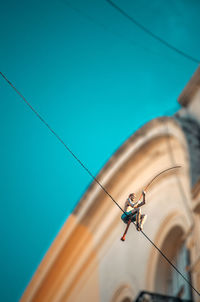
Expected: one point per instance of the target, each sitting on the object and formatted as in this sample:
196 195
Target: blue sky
95 78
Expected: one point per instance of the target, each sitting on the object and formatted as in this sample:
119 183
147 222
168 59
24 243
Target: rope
150 33
152 180
95 179
175 167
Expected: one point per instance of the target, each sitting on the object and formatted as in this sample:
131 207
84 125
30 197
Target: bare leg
126 230
142 220
138 219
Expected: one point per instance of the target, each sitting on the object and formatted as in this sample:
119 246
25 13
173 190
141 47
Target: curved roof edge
162 126
75 227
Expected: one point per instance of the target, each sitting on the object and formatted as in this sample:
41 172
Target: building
88 262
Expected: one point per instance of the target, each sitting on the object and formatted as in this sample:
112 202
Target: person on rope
134 215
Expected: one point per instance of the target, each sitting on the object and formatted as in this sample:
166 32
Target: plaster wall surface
88 259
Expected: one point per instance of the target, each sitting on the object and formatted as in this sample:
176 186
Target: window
168 281
176 284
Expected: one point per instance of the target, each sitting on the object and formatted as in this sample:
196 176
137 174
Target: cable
181 188
113 32
170 263
88 171
108 29
58 137
150 33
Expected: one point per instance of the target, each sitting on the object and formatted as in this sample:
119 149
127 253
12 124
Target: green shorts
129 215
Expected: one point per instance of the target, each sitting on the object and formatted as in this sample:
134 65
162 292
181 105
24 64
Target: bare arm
140 204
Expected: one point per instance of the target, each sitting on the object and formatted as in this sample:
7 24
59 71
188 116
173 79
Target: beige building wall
88 262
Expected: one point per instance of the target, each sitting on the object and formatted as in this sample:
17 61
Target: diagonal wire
150 33
108 29
93 20
171 263
181 188
88 171
59 138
